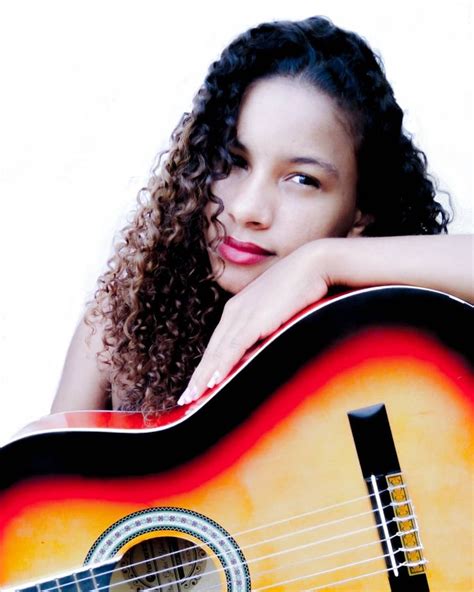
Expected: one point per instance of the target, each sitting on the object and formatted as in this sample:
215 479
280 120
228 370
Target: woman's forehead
292 117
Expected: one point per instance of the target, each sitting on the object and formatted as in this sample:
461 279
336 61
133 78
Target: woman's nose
251 203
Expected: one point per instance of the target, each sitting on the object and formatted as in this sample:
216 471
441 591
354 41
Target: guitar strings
271 555
164 556
319 573
313 559
309 575
373 573
334 583
251 530
281 582
292 580
293 563
347 580
282 521
256 559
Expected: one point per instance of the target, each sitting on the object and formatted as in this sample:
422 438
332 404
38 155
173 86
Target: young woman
292 174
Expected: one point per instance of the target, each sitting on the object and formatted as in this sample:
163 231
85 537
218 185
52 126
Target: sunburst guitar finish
258 485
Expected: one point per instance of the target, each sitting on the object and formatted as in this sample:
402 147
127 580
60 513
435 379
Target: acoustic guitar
337 455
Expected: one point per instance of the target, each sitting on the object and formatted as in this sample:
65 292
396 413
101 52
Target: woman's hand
257 311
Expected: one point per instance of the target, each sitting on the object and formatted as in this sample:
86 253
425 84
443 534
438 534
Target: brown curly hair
158 302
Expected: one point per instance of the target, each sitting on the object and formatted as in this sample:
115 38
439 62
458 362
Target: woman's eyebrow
327 166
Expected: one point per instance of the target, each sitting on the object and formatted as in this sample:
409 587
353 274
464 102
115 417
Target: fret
67 584
95 578
86 581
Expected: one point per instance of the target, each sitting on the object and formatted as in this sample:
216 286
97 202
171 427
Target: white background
90 92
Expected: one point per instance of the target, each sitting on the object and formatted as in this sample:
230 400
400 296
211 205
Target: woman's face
293 180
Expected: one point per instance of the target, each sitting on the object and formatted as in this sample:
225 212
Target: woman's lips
241 253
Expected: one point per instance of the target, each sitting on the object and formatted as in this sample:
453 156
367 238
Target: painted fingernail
190 394
183 399
215 378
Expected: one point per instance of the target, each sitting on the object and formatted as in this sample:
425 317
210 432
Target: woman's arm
82 384
440 262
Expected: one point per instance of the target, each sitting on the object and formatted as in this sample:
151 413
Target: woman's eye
306 180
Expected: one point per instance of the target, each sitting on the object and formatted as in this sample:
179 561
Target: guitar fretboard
86 580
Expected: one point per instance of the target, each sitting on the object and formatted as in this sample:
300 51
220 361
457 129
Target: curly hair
158 301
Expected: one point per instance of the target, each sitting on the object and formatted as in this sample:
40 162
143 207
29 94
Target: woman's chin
233 281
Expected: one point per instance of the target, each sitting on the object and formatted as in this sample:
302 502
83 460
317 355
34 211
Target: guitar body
258 486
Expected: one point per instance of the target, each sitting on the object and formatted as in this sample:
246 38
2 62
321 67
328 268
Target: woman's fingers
229 342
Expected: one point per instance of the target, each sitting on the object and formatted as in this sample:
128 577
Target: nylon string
240 533
291 549
256 559
223 569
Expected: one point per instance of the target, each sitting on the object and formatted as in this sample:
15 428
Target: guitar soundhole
166 563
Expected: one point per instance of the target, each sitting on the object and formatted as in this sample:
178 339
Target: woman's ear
361 221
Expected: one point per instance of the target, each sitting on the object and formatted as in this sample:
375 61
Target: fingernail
189 395
214 379
182 399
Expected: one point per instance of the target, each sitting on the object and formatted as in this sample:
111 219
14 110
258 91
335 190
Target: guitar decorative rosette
185 549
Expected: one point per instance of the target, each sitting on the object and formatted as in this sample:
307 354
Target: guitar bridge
393 510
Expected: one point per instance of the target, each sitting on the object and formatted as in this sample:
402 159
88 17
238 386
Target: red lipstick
241 253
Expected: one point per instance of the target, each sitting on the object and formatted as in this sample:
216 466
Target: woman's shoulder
84 381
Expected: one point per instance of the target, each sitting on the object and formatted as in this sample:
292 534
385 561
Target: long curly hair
158 302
